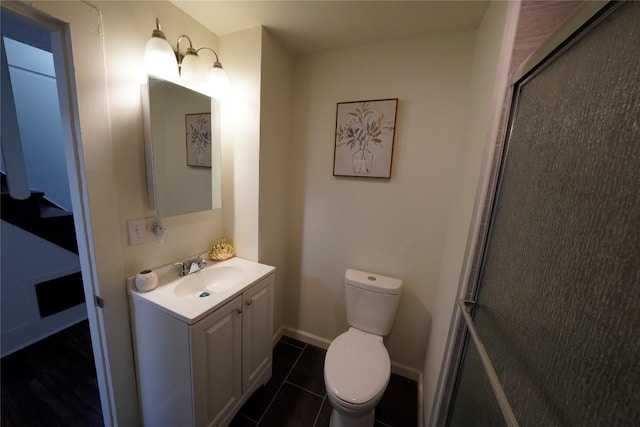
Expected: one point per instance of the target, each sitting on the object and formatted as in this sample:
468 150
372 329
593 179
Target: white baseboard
315 340
306 337
277 335
405 371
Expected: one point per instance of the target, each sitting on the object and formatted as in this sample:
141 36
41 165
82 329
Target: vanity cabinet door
257 331
216 357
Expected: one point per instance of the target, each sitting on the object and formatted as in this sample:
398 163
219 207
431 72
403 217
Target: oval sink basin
191 298
208 281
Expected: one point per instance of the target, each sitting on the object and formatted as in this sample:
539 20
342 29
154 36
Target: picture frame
198 138
364 138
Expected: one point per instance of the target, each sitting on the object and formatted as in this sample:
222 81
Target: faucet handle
201 262
182 268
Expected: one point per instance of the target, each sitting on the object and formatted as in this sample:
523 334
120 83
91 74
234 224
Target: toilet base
342 420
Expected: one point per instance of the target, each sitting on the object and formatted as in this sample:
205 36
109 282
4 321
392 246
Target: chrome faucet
191 266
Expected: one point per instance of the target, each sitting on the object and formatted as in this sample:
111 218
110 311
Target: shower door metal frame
580 23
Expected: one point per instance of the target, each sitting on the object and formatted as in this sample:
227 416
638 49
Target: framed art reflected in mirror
198 127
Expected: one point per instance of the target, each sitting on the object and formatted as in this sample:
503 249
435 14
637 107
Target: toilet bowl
356 374
357 365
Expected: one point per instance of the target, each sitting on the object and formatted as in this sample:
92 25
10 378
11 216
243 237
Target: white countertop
191 309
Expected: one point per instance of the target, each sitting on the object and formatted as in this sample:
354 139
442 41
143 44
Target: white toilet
357 365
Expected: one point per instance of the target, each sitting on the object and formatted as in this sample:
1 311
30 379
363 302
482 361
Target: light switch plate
141 230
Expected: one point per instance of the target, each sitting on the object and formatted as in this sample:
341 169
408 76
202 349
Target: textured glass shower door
558 303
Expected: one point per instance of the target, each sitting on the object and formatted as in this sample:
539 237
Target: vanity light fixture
217 79
187 69
159 57
192 70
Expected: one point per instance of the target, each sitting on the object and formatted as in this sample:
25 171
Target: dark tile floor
295 396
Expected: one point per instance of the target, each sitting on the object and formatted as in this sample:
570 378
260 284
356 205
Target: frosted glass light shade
159 59
192 70
218 83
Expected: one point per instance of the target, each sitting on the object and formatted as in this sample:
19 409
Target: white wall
395 227
275 147
240 54
492 53
35 94
26 258
255 150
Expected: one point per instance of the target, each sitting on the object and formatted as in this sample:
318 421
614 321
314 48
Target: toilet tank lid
373 282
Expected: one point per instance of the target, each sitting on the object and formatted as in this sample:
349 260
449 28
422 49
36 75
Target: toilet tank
372 301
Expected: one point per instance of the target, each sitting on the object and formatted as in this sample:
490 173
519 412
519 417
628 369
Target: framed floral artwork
364 138
198 127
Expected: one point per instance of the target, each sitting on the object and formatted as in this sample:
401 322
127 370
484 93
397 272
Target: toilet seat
357 367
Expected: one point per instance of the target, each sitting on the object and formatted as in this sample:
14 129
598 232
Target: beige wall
395 227
275 137
241 55
255 139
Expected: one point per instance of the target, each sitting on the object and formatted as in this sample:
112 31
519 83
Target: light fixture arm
190 49
158 31
217 63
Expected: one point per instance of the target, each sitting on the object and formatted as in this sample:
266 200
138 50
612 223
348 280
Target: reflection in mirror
182 145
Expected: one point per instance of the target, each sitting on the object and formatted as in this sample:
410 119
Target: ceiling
305 26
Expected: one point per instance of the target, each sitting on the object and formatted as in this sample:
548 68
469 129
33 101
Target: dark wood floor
52 382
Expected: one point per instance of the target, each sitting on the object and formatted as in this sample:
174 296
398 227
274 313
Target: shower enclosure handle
505 408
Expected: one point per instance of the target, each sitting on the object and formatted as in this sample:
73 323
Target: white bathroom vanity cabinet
199 370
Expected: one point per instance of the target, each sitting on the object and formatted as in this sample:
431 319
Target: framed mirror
182 147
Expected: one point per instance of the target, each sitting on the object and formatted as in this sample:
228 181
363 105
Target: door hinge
99 302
